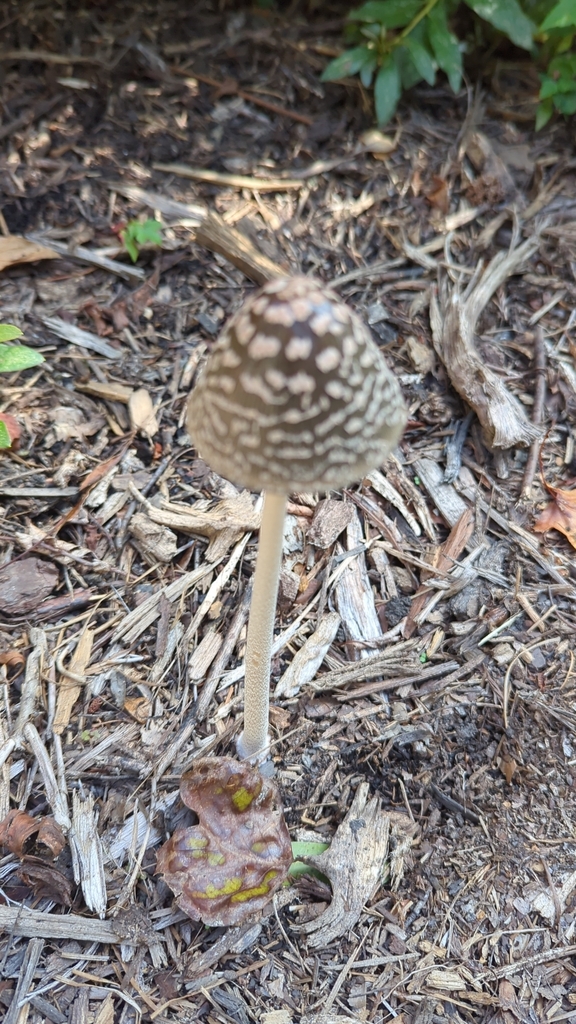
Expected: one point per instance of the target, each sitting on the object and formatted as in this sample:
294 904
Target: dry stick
219 665
214 234
538 411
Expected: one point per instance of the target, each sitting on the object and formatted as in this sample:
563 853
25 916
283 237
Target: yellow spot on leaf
257 890
242 799
212 893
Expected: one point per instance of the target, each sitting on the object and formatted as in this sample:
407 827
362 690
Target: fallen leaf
377 143
46 881
14 249
50 837
25 583
438 195
17 828
560 514
141 412
14 661
227 867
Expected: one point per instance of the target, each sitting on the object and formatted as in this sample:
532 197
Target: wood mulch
445 623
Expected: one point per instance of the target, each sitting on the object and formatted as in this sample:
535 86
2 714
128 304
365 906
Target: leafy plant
401 42
138 233
13 358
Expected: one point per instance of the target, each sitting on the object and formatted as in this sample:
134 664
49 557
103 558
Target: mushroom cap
295 394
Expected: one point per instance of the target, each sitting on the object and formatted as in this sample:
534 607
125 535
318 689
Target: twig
537 412
122 536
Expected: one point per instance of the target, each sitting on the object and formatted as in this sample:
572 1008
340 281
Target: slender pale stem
254 741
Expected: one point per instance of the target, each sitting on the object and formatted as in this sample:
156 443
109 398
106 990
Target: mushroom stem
254 742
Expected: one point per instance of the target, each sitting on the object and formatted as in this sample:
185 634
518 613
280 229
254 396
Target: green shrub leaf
445 45
348 63
508 17
8 332
566 102
561 16
387 91
367 70
18 357
544 113
5 441
422 59
390 13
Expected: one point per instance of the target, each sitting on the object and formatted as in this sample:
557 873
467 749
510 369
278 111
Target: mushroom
294 396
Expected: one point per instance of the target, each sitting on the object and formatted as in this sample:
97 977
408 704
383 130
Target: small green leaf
306 848
367 70
445 45
387 91
8 332
5 441
348 63
137 233
409 74
18 357
561 16
508 17
544 113
147 232
566 102
422 59
390 13
548 88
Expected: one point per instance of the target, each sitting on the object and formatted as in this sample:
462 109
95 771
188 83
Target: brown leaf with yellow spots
560 514
226 868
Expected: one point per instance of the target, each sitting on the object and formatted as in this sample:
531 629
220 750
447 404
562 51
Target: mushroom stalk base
254 742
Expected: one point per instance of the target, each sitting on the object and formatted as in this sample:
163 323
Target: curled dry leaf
19 826
225 869
560 514
46 881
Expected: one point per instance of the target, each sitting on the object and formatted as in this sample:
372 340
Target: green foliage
12 358
5 439
401 42
138 233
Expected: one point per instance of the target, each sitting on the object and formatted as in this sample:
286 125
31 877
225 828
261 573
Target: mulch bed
449 686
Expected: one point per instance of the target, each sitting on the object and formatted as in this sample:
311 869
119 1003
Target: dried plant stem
537 411
254 741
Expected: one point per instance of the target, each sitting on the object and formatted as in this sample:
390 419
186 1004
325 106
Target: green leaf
548 88
409 74
367 70
18 357
508 17
387 91
561 16
422 60
137 233
348 63
544 113
8 332
306 849
445 45
566 102
148 232
5 440
389 13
